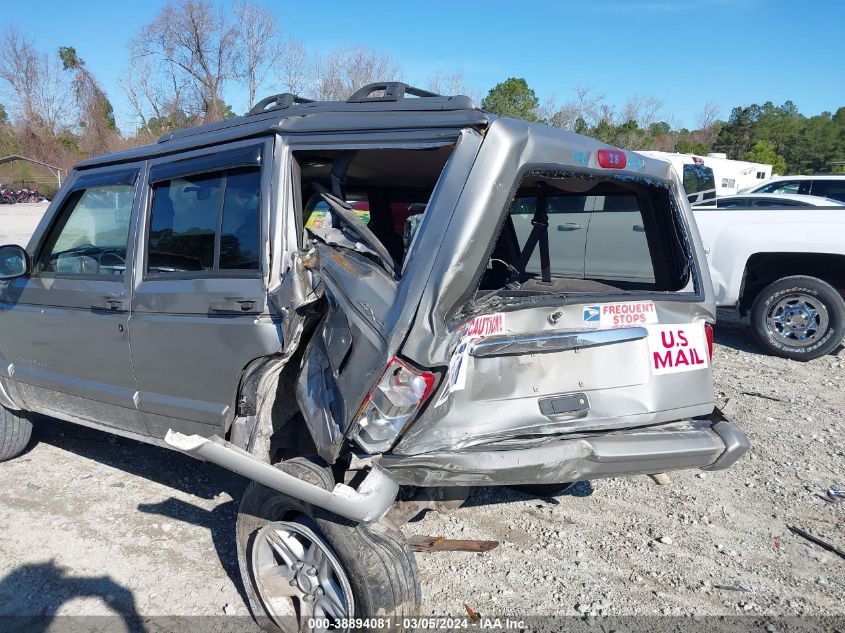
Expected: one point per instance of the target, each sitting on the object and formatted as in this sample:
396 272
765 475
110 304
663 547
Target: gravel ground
96 524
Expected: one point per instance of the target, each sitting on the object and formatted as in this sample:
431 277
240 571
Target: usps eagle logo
592 315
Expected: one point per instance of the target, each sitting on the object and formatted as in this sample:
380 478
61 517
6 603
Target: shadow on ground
168 468
31 596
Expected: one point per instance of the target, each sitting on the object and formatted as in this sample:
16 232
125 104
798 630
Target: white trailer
729 176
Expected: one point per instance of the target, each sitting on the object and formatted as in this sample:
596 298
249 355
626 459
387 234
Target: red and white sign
625 314
677 348
485 325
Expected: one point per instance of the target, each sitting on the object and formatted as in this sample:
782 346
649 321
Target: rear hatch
588 316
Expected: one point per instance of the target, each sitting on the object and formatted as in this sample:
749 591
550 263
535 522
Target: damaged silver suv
396 297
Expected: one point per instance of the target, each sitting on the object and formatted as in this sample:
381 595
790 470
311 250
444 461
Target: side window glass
205 222
91 235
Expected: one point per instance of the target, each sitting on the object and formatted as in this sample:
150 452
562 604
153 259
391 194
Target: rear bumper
711 443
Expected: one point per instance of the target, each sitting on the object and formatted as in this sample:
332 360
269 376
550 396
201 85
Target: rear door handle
638 228
569 226
239 305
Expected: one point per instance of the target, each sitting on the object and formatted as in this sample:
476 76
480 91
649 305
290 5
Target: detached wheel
798 317
15 432
302 565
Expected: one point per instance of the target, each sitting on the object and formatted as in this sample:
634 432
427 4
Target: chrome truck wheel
798 317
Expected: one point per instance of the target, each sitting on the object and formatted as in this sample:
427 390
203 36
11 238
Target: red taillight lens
612 158
398 395
708 332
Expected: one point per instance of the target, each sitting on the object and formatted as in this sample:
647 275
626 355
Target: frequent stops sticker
677 348
625 314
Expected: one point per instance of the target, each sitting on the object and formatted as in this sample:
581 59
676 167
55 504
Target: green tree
764 152
512 97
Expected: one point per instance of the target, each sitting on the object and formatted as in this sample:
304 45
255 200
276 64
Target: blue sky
683 52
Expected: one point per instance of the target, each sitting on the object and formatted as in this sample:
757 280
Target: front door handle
240 305
112 303
569 226
638 228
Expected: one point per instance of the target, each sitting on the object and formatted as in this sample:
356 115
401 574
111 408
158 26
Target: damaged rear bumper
371 501
711 443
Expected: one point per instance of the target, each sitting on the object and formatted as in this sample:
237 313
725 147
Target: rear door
622 345
200 310
65 328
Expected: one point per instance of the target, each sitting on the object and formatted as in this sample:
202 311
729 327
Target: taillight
611 158
398 395
708 332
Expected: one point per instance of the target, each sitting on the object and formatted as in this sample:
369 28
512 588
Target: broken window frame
409 140
477 301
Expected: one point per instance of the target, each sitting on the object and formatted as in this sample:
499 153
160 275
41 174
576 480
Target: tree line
185 61
777 135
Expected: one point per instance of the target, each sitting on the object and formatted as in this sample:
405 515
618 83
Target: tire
798 317
374 557
15 432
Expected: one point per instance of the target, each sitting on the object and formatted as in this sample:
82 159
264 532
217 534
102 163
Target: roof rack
390 91
277 102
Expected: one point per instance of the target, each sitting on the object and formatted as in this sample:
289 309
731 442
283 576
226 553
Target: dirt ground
95 524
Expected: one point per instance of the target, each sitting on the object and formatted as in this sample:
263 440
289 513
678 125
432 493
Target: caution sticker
677 348
485 325
623 314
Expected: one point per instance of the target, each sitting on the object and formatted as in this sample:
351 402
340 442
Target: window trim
219 161
83 182
467 303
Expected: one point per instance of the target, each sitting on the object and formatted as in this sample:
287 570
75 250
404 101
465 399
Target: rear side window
580 234
205 222
834 189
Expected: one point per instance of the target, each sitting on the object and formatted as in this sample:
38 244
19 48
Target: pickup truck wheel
303 566
15 431
798 317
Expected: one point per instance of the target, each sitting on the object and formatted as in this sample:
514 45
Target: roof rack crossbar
391 91
276 102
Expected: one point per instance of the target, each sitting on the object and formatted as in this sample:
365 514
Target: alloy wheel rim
298 576
797 320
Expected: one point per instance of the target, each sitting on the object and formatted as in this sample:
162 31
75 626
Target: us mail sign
677 348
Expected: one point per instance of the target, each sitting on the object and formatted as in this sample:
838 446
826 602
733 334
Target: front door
199 310
65 327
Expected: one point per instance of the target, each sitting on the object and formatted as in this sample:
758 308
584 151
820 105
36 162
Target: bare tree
642 110
292 66
448 84
36 88
201 42
345 70
258 36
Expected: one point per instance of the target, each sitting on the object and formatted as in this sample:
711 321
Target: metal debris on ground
816 540
419 543
757 394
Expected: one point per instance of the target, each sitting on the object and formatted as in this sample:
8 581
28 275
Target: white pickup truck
784 270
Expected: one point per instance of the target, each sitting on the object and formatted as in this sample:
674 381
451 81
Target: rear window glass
699 182
588 235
